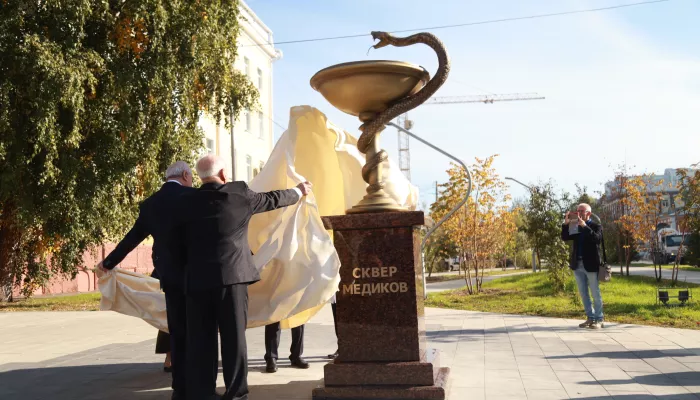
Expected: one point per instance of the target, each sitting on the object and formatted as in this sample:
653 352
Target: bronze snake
371 128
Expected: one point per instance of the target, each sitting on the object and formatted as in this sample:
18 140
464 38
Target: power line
492 21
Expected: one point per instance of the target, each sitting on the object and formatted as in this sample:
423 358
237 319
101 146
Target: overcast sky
620 85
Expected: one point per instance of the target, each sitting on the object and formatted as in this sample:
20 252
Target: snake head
384 38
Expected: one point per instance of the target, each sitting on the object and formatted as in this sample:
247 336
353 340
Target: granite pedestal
381 329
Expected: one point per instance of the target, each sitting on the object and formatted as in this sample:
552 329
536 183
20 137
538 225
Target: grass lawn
455 276
626 299
76 302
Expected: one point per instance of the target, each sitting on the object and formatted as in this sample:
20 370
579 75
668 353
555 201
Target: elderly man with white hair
585 261
156 219
214 221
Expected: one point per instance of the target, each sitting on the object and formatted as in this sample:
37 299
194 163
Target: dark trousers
163 343
334 308
227 308
176 311
272 341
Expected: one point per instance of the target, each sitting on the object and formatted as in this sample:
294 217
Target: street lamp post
534 257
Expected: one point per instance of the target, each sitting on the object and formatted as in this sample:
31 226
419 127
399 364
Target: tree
689 189
633 215
545 212
438 248
96 99
482 228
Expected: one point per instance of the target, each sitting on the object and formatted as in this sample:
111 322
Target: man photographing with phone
585 261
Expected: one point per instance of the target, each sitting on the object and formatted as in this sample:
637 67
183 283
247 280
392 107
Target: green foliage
437 249
690 194
545 212
96 99
692 255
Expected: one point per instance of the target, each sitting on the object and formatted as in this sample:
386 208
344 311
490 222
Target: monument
381 330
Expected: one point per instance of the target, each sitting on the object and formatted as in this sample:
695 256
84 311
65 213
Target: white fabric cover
298 264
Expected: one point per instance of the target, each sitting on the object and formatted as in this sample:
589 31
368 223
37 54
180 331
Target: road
683 276
458 283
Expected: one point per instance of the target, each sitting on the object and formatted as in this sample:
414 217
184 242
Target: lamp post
534 257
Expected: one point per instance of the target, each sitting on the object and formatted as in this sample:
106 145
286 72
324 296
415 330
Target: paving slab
104 355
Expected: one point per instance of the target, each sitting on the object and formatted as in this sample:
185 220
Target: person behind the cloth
273 332
585 261
156 219
214 222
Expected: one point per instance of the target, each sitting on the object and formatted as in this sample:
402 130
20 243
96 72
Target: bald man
218 271
156 218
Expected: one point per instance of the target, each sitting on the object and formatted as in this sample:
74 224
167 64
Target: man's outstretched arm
132 239
268 201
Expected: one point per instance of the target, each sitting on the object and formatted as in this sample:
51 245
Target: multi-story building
247 145
670 206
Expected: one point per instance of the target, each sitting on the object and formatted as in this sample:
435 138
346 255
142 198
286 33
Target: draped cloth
298 264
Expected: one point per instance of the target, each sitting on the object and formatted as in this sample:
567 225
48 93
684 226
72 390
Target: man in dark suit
272 344
585 261
219 269
156 218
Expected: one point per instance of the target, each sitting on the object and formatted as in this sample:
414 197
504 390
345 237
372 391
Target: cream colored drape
295 255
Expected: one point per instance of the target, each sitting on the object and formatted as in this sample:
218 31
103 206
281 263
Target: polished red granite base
438 391
380 312
423 372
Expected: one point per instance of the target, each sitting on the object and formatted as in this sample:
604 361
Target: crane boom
486 99
405 152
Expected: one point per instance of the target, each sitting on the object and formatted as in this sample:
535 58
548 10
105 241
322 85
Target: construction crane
402 120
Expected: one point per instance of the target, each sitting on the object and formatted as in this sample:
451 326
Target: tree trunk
6 245
619 253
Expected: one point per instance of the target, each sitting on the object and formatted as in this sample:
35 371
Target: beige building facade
248 144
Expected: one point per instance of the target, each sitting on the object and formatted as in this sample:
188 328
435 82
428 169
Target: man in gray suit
214 224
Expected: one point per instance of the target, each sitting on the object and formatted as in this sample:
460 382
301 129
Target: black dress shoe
271 366
167 369
334 355
299 363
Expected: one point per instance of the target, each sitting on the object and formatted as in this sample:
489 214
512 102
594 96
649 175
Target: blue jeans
589 280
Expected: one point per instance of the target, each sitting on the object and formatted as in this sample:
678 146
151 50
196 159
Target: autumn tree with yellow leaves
638 216
483 229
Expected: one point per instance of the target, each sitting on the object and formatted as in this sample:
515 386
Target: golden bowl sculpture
368 86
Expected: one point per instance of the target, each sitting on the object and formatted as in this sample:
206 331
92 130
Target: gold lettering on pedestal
368 289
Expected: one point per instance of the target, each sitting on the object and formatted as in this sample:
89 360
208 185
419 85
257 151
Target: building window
246 64
249 167
261 126
260 79
210 146
248 122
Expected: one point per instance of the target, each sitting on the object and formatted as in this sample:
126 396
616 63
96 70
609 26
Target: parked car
452 264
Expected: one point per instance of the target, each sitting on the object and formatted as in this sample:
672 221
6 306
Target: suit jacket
156 219
214 224
591 237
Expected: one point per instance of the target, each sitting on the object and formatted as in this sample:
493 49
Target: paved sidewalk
103 355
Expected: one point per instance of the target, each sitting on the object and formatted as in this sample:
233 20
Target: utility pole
436 191
534 257
233 151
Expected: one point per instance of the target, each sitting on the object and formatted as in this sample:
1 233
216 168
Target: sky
620 86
